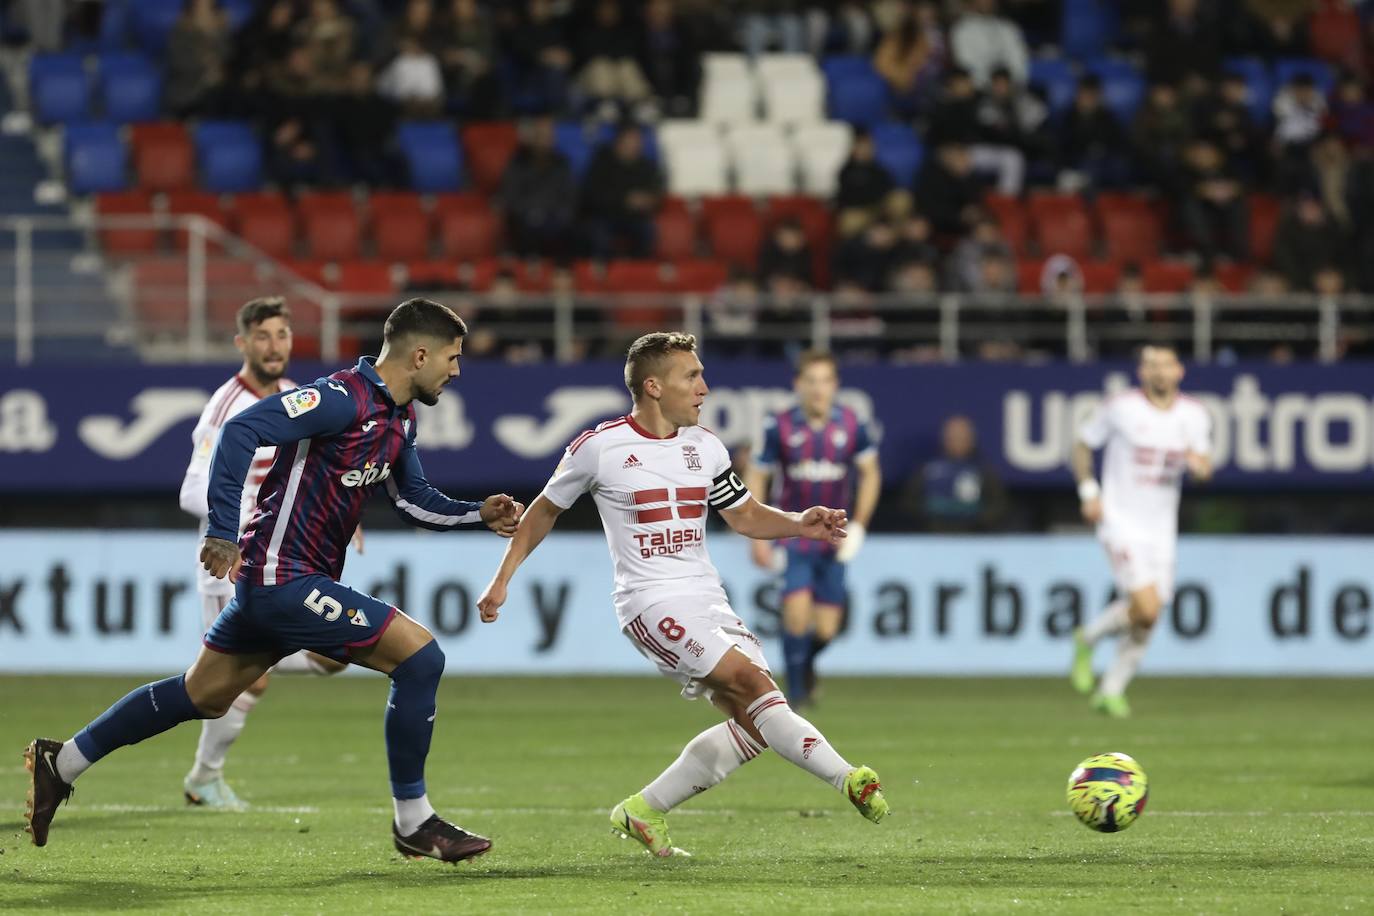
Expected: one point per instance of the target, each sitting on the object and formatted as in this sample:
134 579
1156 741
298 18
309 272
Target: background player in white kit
652 474
264 339
1152 435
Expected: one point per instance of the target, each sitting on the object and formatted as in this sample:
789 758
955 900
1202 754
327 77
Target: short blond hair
645 356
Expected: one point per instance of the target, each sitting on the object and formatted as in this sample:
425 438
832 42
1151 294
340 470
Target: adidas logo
631 462
809 745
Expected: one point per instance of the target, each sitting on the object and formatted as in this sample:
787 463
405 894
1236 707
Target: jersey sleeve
1097 428
195 486
867 438
420 503
727 490
313 410
575 474
770 449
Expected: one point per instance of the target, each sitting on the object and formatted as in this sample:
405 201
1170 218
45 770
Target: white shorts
1140 562
686 642
211 605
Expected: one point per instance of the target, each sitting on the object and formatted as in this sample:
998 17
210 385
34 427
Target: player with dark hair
816 452
336 440
653 473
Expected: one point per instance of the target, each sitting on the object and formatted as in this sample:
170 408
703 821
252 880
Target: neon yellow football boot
1082 674
866 793
1114 706
636 820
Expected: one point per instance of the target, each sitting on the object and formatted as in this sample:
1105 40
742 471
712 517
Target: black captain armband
727 491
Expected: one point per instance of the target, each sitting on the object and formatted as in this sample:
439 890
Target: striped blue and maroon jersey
814 465
336 439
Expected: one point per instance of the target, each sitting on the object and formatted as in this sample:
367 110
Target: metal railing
89 276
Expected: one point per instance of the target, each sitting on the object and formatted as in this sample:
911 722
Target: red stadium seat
317 272
1264 223
160 293
333 235
677 230
1100 277
1166 276
127 240
363 277
379 202
265 220
488 148
196 203
1235 277
635 277
1061 225
164 158
466 202
1130 227
1011 216
229 283
589 277
733 229
697 276
532 276
433 275
401 236
467 234
1337 36
816 222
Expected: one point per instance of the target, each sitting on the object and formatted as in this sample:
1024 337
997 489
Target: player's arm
194 497
756 477
292 417
536 523
1199 457
1092 435
751 518
425 506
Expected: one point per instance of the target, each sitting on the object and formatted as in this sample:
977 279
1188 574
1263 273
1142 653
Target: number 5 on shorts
323 605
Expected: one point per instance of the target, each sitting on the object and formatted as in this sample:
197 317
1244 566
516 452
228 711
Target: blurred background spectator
956 491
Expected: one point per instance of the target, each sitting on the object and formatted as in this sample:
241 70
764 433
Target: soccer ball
1108 792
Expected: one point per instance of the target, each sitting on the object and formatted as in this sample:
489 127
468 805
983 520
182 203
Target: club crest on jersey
302 400
692 457
632 462
839 437
366 476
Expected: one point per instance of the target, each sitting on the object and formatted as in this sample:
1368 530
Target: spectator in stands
1010 124
955 492
413 80
260 51
197 60
1161 130
1306 241
1211 203
1185 43
983 40
1353 113
866 190
293 152
1276 28
732 314
840 27
1331 178
620 195
1298 113
672 58
538 195
908 63
915 278
966 261
866 260
786 252
947 191
363 124
954 115
416 21
1224 116
915 242
1123 319
329 35
608 55
539 48
772 25
468 58
504 327
1092 143
784 321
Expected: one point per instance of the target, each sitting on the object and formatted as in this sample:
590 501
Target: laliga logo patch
302 400
692 457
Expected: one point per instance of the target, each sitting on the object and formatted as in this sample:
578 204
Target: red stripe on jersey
225 396
240 385
645 516
696 511
650 496
577 443
690 493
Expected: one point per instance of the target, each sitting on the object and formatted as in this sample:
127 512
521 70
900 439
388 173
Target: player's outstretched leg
705 761
205 785
409 655
1113 620
1142 613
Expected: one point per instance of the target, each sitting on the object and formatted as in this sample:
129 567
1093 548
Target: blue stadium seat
96 158
859 99
1289 67
899 151
571 139
845 65
1255 72
1088 27
153 21
115 22
1123 86
240 11
229 155
433 154
59 89
1057 78
130 87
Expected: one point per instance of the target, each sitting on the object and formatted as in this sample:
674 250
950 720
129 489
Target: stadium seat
1258 82
439 275
822 150
792 87
1057 78
126 240
570 138
727 96
676 235
815 219
59 90
1123 87
153 21
159 293
1287 68
635 277
1061 225
1087 27
1011 216
1337 37
468 231
1166 276
1264 223
332 226
1130 228
733 229
130 88
487 149
363 277
95 158
841 66
195 203
432 154
762 159
697 276
1100 277
1234 277
230 156
266 222
229 283
899 151
694 158
400 226
164 159
859 99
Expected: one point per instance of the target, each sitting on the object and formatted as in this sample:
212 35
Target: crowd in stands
1169 106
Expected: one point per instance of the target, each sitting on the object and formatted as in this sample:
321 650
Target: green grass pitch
1262 801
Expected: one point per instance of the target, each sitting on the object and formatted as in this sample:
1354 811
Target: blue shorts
819 573
312 612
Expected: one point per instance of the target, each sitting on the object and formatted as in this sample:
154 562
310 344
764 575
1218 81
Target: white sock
797 740
706 760
1129 652
411 813
1115 619
216 735
70 762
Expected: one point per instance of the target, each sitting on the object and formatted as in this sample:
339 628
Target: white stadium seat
763 160
729 99
822 149
694 156
798 98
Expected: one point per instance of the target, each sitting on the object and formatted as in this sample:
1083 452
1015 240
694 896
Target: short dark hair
811 358
646 355
1162 343
256 311
423 318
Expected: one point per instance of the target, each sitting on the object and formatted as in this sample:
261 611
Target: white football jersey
1144 462
230 398
652 494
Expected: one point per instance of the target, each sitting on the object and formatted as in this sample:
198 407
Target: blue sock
410 711
796 654
149 710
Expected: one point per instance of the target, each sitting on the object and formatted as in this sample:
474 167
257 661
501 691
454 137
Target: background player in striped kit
817 452
264 339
